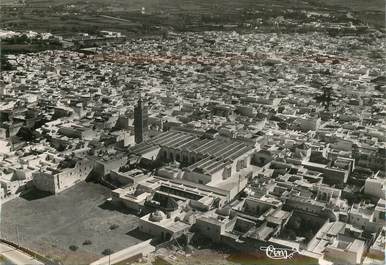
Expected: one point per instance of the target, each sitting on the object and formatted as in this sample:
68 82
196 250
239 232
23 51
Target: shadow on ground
107 205
138 234
34 194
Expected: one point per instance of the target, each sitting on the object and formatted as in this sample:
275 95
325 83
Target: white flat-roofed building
376 186
344 249
165 226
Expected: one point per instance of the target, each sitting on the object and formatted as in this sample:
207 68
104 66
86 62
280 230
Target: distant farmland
69 16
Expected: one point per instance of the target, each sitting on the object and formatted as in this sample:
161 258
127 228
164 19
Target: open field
69 16
49 225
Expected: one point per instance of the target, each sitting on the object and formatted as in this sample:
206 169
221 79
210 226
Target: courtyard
75 226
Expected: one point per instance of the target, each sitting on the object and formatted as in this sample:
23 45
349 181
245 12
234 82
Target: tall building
140 121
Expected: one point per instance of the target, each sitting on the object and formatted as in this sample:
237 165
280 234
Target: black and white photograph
192 132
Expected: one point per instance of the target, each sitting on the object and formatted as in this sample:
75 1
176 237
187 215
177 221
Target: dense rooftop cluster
248 139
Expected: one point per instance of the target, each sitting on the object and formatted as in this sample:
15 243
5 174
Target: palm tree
326 97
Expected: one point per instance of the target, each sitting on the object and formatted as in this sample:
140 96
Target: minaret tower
140 121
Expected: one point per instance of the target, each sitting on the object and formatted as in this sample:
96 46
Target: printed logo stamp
279 253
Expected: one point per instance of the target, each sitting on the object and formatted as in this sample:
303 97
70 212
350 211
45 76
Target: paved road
16 256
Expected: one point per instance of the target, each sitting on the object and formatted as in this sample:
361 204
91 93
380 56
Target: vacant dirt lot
51 224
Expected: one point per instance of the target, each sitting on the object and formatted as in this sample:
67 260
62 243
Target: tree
73 248
309 235
87 242
114 226
326 97
61 148
107 252
291 234
296 222
4 64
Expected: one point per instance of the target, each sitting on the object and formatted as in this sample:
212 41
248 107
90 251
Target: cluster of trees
299 227
85 243
23 39
20 39
4 64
